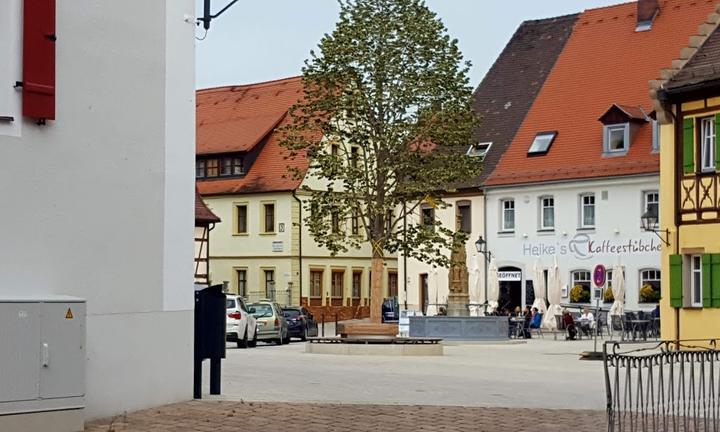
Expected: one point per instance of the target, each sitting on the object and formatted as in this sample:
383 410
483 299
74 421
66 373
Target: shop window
580 286
649 286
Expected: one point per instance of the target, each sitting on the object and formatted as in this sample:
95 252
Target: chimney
647 10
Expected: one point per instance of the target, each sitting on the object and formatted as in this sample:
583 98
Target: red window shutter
39 59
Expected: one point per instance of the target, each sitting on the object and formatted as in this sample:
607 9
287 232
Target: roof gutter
687 92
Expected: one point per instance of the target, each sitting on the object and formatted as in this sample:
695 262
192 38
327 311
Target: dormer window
479 150
212 167
541 144
620 123
617 138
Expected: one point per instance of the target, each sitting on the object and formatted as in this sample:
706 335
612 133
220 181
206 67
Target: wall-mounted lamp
649 223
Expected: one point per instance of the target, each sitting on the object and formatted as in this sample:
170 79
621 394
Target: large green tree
389 93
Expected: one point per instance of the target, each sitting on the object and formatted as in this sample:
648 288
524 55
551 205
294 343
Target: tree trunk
376 288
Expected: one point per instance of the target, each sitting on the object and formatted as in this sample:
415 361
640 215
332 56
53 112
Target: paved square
226 416
541 373
536 386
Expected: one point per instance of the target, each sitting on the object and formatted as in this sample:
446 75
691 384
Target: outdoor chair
601 322
617 325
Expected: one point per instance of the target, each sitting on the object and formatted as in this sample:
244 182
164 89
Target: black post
336 328
197 378
215 376
323 324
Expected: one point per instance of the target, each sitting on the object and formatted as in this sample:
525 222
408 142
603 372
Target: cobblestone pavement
231 416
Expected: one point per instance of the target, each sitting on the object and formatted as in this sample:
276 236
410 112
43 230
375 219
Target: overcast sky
262 40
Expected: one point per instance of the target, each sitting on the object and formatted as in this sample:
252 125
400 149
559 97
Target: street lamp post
481 248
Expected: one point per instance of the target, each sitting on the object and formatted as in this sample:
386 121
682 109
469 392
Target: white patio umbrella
618 287
493 287
433 297
539 287
554 295
474 291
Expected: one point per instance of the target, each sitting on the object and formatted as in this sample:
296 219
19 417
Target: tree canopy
389 93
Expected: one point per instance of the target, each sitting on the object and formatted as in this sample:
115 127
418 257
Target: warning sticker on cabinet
68 314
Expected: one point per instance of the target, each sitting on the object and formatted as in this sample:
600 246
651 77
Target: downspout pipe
405 276
300 252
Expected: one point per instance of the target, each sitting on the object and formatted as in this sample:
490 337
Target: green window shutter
676 281
717 142
706 282
688 145
715 279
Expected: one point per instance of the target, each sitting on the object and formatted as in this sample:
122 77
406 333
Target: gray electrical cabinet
42 362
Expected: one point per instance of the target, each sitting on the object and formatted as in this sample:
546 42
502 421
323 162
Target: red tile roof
203 215
240 118
604 62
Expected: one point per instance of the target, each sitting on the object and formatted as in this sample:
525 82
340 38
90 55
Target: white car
241 324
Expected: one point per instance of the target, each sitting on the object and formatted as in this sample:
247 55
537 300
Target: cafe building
584 166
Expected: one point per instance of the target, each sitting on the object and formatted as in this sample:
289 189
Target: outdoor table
583 324
638 325
518 331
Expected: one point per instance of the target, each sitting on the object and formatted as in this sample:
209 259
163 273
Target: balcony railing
698 199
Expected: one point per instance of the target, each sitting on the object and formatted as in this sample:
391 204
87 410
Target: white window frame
646 202
547 206
589 280
503 210
707 144
608 130
696 302
582 210
642 280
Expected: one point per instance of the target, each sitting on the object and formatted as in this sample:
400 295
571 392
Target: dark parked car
390 310
301 323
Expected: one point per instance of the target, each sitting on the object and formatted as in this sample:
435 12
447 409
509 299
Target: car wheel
286 339
243 343
304 335
253 342
279 340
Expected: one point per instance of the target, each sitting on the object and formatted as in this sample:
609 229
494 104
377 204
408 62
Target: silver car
271 324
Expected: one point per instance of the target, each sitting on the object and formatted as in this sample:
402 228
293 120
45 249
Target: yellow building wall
695 323
256 251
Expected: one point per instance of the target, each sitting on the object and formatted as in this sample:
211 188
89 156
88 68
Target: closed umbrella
432 304
493 288
539 287
475 292
554 295
618 287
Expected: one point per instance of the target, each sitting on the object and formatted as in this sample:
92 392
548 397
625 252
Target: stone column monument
459 296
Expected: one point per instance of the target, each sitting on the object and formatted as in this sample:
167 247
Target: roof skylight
541 144
479 149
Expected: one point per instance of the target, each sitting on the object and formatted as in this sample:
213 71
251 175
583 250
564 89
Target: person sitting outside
536 319
569 325
587 321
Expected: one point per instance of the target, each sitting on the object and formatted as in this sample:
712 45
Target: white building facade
425 287
102 196
581 224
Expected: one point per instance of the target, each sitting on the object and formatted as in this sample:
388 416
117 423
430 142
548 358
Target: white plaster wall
438 289
99 202
617 221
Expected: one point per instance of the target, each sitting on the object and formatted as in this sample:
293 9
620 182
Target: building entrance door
423 293
510 279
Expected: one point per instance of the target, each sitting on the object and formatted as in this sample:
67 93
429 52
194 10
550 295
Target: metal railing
669 386
281 296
